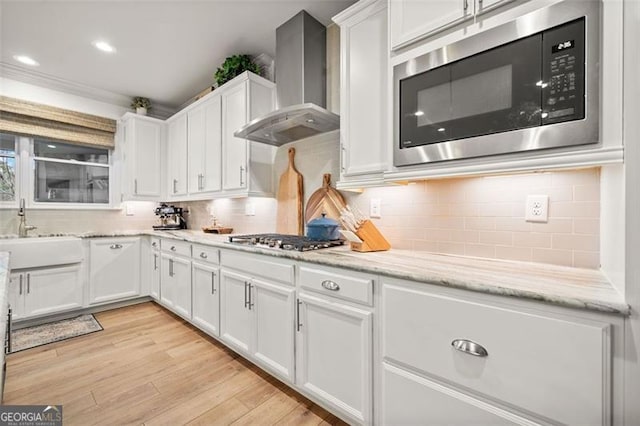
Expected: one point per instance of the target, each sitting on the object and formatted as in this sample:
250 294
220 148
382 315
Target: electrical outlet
129 209
250 209
537 208
375 210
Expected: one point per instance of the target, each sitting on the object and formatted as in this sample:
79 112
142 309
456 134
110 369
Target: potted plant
234 66
141 105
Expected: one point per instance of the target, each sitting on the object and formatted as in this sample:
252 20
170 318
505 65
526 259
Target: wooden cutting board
289 219
325 200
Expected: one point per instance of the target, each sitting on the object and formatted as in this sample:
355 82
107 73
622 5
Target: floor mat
43 334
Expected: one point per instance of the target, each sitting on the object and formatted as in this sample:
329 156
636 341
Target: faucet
23 228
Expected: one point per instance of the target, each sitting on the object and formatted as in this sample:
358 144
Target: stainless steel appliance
170 218
283 241
528 84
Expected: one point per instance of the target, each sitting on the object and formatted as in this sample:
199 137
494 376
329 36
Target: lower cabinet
206 297
37 292
334 355
175 284
114 269
257 319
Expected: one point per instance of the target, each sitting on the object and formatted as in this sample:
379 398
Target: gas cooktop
283 241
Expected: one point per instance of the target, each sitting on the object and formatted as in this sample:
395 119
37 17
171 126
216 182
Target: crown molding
47 81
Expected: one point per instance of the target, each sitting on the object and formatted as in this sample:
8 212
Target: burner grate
283 241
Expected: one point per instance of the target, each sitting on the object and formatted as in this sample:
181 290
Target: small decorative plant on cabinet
234 66
141 105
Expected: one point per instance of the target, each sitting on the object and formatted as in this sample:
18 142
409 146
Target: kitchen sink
42 251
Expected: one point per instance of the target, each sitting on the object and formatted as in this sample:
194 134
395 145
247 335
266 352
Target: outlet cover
375 209
250 209
537 208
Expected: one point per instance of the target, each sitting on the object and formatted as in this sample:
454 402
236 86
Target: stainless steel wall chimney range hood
300 86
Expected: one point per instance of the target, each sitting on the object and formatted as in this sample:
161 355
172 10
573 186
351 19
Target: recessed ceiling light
104 46
26 60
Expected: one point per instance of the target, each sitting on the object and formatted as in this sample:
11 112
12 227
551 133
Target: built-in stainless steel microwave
529 84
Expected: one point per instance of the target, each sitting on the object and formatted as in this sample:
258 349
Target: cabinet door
335 355
212 156
177 158
235 316
114 271
273 309
146 151
181 283
411 400
487 5
412 20
364 100
234 116
206 298
166 281
17 290
52 290
154 289
196 141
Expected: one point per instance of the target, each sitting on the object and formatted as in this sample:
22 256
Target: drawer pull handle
173 248
469 347
115 246
203 255
330 285
154 244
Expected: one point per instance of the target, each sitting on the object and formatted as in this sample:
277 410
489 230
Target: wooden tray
217 230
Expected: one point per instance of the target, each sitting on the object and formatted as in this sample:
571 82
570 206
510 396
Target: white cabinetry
204 135
177 156
205 274
142 138
154 276
465 353
246 166
413 20
114 270
257 311
43 291
364 105
334 341
175 277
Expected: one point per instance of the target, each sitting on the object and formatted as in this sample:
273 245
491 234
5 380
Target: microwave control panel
563 97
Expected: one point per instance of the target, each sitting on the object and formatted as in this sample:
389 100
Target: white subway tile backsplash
531 239
496 237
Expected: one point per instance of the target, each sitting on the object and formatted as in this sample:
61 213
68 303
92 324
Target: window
7 167
66 173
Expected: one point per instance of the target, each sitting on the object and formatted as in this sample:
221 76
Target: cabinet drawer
338 283
155 243
206 254
255 264
556 368
180 248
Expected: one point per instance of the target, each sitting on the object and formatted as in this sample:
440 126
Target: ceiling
166 50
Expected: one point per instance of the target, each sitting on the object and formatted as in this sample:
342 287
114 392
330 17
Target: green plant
140 102
234 66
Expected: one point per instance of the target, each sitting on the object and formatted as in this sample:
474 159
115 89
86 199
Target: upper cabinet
142 139
204 135
177 156
364 100
413 20
246 166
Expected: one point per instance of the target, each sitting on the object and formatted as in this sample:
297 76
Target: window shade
32 119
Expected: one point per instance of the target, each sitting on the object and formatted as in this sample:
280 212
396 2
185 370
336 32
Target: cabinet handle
135 186
173 248
155 262
20 283
469 347
330 285
213 279
175 183
9 326
465 5
246 299
250 296
202 181
343 158
28 283
203 255
241 175
298 325
154 244
170 267
115 246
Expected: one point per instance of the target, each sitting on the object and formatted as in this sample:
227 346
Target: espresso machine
170 218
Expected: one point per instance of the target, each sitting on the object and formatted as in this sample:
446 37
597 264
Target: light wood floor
150 367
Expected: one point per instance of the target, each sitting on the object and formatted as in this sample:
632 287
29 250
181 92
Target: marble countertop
571 287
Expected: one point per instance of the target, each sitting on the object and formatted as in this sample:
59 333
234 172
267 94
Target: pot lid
323 222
